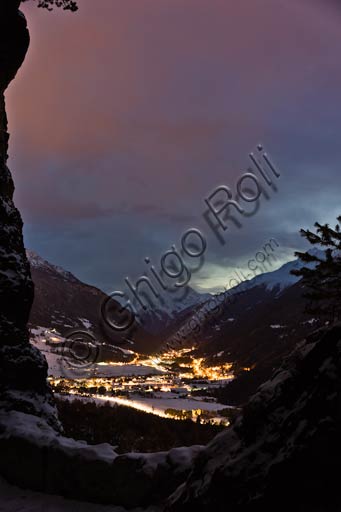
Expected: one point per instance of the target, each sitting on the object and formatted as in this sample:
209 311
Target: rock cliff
23 370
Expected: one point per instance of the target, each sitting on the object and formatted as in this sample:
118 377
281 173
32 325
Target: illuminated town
174 384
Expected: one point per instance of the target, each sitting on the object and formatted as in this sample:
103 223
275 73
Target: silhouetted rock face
283 452
14 41
23 369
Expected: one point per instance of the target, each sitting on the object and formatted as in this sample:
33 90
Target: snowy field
13 499
156 406
117 370
61 366
159 405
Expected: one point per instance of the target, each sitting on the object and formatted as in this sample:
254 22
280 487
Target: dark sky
127 114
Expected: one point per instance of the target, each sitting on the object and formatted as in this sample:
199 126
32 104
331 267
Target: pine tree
323 280
67 5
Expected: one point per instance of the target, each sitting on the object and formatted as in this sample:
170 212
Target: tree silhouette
323 280
67 5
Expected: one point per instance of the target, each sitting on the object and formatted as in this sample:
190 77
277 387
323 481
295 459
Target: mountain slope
283 452
254 326
62 302
170 308
278 279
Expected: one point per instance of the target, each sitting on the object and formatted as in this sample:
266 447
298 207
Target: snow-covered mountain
164 315
169 308
278 279
37 262
267 284
254 325
63 303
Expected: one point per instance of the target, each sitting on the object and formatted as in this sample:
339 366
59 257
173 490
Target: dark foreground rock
283 452
33 456
23 370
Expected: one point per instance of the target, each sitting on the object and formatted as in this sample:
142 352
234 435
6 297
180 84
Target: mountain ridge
63 302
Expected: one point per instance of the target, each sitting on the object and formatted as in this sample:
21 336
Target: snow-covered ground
162 403
34 432
116 370
61 365
13 499
157 406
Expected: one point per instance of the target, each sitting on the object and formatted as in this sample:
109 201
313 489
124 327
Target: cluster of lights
125 389
197 369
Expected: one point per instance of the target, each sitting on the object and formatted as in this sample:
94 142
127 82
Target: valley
199 379
167 385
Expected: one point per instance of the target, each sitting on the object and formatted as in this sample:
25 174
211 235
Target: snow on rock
282 452
22 367
87 324
14 499
312 321
37 261
34 429
53 464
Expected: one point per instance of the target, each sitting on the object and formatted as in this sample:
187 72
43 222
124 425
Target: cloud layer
127 114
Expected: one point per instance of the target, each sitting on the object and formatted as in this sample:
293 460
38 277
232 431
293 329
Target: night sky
127 114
